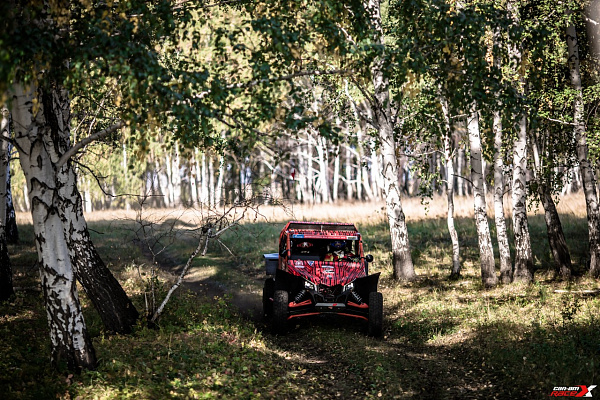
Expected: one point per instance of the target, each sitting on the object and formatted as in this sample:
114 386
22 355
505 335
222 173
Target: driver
339 252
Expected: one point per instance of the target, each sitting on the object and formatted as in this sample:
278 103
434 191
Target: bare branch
84 142
559 121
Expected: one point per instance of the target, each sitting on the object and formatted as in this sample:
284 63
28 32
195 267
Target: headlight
349 286
309 285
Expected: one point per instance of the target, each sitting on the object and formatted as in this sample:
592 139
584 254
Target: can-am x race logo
572 391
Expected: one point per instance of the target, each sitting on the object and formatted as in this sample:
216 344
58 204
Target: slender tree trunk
449 158
364 172
336 175
375 171
523 270
348 173
486 253
12 231
310 170
402 260
6 287
323 169
204 181
116 310
211 181
587 172
170 187
219 188
556 236
38 137
193 177
501 231
460 166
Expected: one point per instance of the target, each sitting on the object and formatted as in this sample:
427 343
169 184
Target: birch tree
580 134
448 152
523 269
6 287
36 140
383 121
486 253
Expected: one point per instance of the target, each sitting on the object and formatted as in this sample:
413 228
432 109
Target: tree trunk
219 188
211 181
460 166
486 253
348 173
10 224
38 137
6 287
116 310
449 158
586 168
323 181
193 177
402 261
501 231
556 236
523 270
336 174
375 170
204 181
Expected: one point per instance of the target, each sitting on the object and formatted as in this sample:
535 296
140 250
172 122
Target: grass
442 338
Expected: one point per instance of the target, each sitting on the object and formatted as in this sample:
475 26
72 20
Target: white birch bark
170 187
193 177
486 253
585 167
336 175
323 180
310 175
402 260
364 172
176 177
211 181
348 174
460 167
70 340
523 269
375 171
449 160
499 217
6 287
219 187
204 181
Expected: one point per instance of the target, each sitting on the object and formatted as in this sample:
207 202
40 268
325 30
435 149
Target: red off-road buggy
321 269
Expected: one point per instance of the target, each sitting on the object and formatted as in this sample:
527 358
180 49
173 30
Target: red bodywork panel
327 272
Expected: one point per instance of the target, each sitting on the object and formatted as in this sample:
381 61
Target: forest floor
443 339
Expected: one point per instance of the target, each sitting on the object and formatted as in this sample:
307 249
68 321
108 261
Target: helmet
337 244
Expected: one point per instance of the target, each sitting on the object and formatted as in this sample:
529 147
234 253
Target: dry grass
368 213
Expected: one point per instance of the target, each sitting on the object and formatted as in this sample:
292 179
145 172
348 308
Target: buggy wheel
375 314
280 311
268 293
